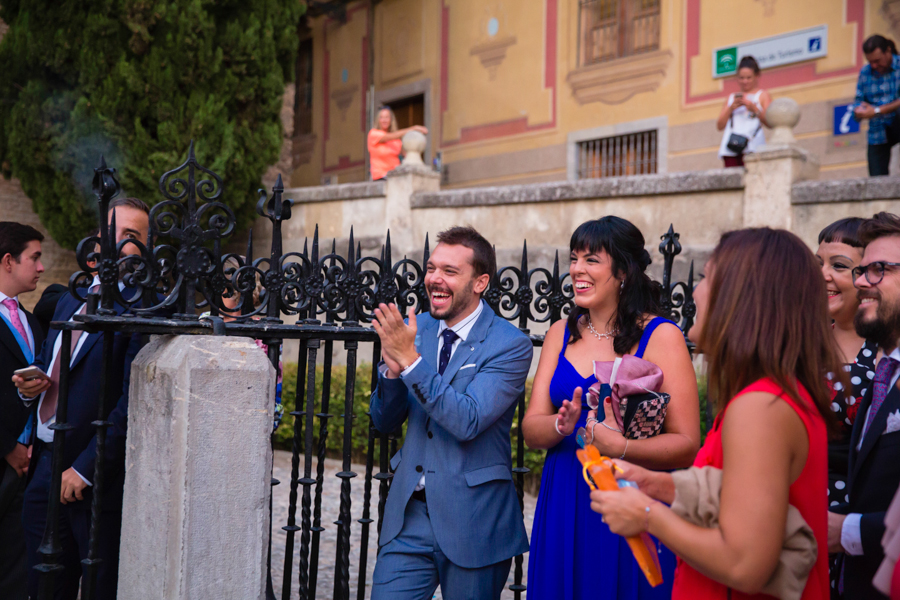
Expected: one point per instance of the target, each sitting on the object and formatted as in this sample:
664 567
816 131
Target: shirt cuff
851 539
408 369
88 483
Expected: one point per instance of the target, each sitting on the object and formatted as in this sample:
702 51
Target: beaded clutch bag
638 405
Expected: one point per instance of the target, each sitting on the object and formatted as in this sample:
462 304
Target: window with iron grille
617 28
631 154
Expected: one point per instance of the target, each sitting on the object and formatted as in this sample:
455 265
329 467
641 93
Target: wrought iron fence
181 268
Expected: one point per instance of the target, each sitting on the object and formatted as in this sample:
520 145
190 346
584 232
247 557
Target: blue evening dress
573 554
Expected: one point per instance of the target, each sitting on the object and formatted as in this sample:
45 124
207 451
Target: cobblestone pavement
331 501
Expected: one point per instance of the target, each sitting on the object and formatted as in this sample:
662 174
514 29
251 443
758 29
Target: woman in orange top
769 347
384 143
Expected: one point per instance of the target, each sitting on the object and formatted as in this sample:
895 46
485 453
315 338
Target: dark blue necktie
449 337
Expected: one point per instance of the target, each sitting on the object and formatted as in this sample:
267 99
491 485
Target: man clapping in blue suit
452 515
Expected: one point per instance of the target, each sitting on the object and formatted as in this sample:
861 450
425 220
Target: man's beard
457 304
884 329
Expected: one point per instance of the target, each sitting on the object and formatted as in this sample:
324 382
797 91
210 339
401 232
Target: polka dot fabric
860 372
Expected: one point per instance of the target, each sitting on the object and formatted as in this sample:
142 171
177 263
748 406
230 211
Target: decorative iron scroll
181 266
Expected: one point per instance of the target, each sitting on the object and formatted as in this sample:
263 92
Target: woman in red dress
769 347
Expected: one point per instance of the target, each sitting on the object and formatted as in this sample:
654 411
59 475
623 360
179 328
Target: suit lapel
64 311
891 403
37 332
468 348
9 340
93 337
857 431
426 341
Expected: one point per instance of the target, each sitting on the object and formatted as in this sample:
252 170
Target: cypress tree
136 80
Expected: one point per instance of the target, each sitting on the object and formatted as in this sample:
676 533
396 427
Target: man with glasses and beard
875 443
452 517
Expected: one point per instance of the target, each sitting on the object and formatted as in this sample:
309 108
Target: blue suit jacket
85 386
458 435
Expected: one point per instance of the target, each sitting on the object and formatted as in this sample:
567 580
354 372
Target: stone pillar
195 519
773 170
410 177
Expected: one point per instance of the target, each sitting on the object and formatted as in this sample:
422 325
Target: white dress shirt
851 537
462 329
5 312
44 433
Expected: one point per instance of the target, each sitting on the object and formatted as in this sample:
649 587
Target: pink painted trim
500 129
365 78
445 41
326 102
774 78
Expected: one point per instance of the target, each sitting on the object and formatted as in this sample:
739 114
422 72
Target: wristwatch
877 110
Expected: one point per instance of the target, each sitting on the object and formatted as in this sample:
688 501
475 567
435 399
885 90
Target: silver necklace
601 336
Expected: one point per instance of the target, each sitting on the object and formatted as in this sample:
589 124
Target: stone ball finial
783 115
414 147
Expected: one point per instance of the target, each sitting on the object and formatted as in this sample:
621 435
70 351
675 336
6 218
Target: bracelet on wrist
619 431
556 427
405 367
624 450
647 515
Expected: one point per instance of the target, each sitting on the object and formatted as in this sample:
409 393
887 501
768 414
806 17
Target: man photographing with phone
20 339
80 451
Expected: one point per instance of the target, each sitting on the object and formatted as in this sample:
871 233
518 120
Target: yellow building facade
519 91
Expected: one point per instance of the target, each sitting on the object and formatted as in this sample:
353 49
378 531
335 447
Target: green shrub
136 80
533 459
334 439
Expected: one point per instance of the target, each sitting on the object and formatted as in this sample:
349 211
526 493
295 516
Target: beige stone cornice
615 81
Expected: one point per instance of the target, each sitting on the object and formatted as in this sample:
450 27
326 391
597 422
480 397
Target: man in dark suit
132 222
454 376
875 442
20 339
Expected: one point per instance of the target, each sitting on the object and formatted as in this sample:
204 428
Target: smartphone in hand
31 373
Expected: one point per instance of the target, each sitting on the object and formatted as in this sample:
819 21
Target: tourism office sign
784 49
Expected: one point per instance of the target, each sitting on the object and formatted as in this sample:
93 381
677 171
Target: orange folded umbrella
598 473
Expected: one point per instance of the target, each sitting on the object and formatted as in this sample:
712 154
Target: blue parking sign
844 122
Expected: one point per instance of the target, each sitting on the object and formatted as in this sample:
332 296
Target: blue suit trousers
411 566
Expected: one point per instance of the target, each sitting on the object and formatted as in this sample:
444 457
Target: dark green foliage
334 441
136 80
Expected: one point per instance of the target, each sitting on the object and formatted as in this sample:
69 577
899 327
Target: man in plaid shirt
877 97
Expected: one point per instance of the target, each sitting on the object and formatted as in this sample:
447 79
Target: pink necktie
13 307
884 372
48 406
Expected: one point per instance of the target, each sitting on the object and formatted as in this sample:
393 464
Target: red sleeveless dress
808 494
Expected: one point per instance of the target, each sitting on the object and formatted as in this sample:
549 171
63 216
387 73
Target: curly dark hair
624 243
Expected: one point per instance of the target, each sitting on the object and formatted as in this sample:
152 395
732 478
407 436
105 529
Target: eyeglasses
874 271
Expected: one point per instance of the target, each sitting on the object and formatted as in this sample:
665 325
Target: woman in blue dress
573 554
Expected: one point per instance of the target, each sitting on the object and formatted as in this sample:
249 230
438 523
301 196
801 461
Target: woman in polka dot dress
839 252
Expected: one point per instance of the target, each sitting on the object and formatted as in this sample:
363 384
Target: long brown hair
768 317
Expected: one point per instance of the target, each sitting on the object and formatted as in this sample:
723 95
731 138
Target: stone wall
818 203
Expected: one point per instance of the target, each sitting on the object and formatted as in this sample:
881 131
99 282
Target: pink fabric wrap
626 376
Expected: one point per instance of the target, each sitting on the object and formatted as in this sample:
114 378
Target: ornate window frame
660 124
